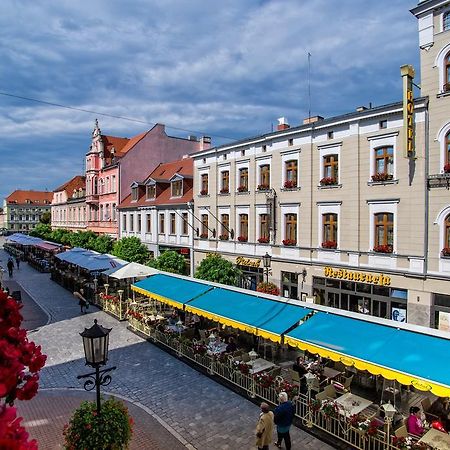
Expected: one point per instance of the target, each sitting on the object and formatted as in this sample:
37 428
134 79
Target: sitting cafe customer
414 423
231 346
301 370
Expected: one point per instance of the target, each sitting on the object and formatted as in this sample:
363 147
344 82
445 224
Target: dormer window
177 188
151 192
134 194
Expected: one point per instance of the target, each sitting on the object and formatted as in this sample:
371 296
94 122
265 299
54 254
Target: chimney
282 124
205 142
361 108
312 119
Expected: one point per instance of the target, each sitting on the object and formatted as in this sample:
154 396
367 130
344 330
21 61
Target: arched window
447 73
447 232
447 148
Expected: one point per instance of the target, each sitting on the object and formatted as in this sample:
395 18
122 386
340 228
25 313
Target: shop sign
343 274
407 72
247 262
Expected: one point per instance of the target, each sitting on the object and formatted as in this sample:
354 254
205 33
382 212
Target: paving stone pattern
206 414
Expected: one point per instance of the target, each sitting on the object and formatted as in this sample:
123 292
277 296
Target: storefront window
441 312
289 286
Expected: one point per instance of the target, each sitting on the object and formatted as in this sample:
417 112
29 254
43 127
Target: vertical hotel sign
408 73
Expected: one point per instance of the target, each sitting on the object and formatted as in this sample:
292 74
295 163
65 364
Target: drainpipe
427 195
190 206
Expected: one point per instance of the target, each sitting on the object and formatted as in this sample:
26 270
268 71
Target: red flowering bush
263 187
447 168
13 435
290 184
382 176
328 181
289 242
268 288
112 429
242 189
383 249
329 244
199 349
204 192
224 191
445 251
264 379
242 238
263 240
290 389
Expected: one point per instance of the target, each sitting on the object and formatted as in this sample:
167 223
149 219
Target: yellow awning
160 298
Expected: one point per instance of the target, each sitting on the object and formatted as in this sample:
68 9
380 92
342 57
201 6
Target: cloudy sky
227 69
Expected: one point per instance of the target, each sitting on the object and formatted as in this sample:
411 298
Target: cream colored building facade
346 216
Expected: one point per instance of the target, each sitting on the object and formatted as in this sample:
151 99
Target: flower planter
290 184
329 244
242 189
263 240
381 177
289 242
242 239
383 249
328 181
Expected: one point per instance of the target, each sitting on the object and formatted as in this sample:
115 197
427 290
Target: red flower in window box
383 249
445 251
290 184
268 288
329 244
204 236
382 177
263 240
447 168
224 237
224 191
242 238
328 181
204 192
289 242
263 187
242 189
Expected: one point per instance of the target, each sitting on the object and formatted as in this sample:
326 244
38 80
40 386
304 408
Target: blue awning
406 356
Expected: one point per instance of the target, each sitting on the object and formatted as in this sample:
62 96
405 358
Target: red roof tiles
30 197
77 182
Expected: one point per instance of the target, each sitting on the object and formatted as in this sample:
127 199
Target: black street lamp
267 259
95 343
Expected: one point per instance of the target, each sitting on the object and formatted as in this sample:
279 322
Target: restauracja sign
343 274
241 261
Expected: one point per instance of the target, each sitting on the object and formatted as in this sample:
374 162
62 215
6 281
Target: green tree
61 236
101 244
46 218
41 230
217 269
169 261
131 249
81 238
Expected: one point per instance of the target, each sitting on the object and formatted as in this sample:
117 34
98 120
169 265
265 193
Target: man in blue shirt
283 417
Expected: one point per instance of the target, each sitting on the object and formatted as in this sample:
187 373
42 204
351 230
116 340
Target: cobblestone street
198 412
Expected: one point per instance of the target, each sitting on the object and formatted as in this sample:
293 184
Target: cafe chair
294 376
344 386
330 391
426 406
401 432
245 358
322 396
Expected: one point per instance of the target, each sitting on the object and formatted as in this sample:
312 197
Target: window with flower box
290 232
204 184
204 231
225 226
263 229
291 168
384 163
177 188
329 230
243 179
330 170
151 191
172 223
184 217
225 182
243 228
161 224
264 177
384 233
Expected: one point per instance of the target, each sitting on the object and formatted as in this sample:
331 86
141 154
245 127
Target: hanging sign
408 73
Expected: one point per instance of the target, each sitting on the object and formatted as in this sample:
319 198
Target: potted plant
268 288
382 177
329 408
224 191
289 242
383 248
447 168
242 238
264 379
224 237
329 244
263 187
242 189
290 184
112 429
204 192
263 240
328 181
445 251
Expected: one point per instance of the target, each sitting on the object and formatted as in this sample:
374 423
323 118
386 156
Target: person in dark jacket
10 266
283 417
301 370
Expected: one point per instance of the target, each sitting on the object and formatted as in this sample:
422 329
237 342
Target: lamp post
389 411
106 286
95 343
310 378
267 259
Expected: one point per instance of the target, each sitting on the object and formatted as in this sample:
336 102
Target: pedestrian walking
81 300
264 428
283 416
17 262
10 266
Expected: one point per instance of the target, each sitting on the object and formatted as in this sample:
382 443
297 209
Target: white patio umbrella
131 270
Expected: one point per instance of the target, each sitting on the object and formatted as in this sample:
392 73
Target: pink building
114 163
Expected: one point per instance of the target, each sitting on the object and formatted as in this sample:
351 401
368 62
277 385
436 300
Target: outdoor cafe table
352 404
216 349
436 439
330 374
259 365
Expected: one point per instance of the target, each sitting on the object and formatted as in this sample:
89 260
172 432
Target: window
149 223
113 211
204 232
263 228
242 152
330 169
384 232
383 124
204 184
139 225
225 219
331 135
447 148
264 148
161 223
113 183
291 228
151 191
384 163
243 179
447 73
131 222
243 227
290 142
134 194
225 180
172 223
264 177
330 229
447 234
446 21
185 222
177 188
291 174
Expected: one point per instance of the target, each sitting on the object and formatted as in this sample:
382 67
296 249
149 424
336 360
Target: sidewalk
206 414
